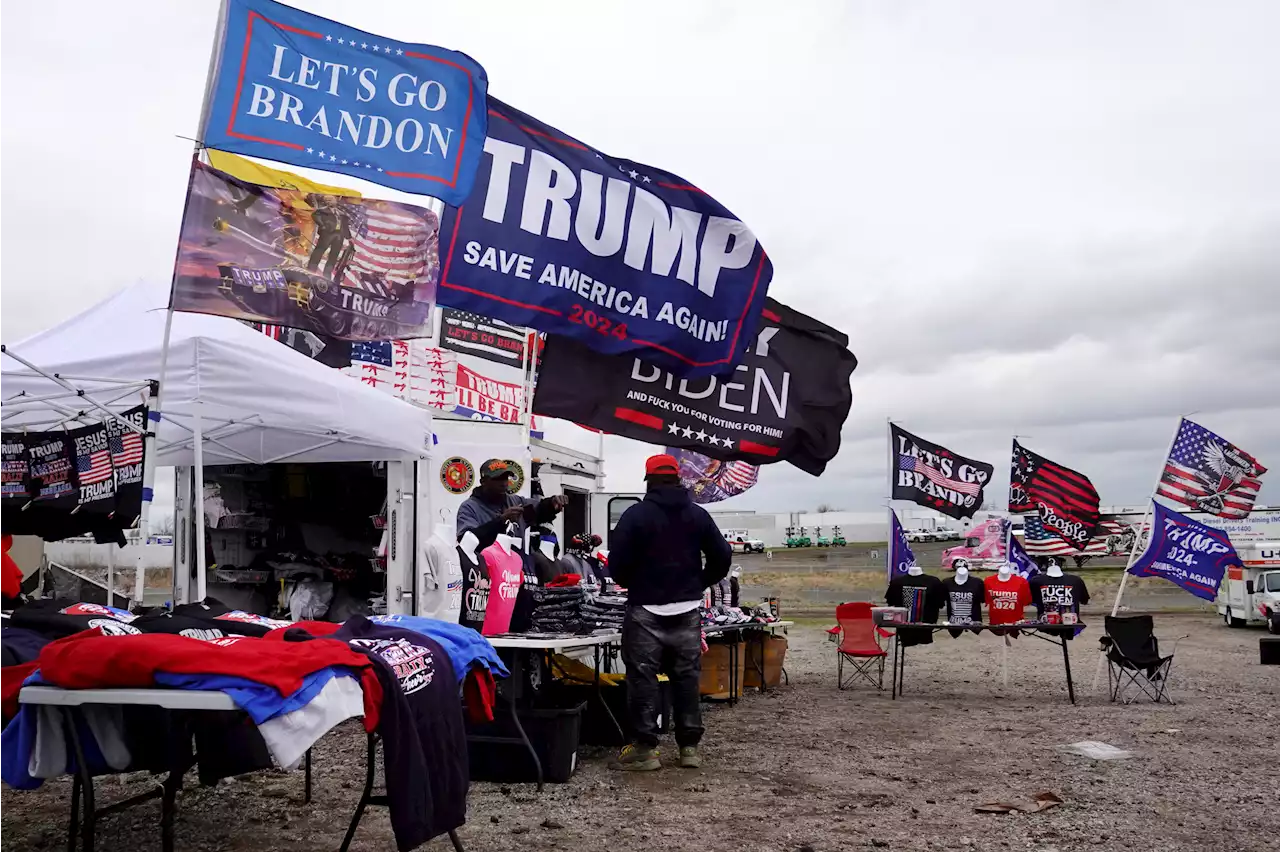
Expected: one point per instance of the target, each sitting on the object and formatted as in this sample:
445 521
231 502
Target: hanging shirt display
923 596
1064 594
506 575
475 590
441 593
1006 599
964 601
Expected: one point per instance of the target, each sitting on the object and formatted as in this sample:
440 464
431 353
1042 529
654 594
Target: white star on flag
310 150
673 429
364 45
356 164
379 168
634 174
342 41
702 436
688 433
328 38
728 443
322 154
715 442
646 179
399 52
376 48
387 49
332 158
344 162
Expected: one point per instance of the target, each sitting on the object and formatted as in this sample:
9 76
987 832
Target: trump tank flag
786 401
1209 474
900 556
1190 554
931 475
1065 500
304 90
712 480
345 268
624 258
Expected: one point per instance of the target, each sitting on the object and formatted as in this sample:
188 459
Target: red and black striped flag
1065 500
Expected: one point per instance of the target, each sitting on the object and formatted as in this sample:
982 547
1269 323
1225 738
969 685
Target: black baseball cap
495 469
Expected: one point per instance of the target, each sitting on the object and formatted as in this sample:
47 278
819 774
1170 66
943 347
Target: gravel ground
810 766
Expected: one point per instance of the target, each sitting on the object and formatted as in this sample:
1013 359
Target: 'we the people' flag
1065 500
1187 553
1206 472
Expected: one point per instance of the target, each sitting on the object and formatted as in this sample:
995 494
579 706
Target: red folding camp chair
860 645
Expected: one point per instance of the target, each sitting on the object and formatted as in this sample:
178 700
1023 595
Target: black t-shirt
1067 592
181 625
233 622
964 600
475 590
56 619
934 599
424 739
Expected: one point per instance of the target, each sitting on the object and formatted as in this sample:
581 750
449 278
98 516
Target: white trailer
1250 593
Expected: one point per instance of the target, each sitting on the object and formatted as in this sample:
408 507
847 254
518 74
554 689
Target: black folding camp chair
1134 659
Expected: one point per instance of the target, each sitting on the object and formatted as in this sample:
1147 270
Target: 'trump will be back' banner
620 256
305 90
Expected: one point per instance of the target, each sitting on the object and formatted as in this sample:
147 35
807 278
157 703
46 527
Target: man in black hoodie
657 552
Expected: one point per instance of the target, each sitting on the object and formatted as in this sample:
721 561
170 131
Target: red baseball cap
662 464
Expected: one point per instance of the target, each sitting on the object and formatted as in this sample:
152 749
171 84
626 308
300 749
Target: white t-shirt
673 608
441 590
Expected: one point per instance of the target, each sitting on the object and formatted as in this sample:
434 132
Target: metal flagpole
1008 523
197 516
1134 549
215 57
889 538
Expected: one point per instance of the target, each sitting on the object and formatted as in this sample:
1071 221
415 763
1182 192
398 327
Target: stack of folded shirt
604 612
557 609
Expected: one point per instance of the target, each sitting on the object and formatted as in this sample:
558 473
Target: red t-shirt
1006 599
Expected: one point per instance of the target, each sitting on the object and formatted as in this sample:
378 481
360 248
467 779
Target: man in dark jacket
657 554
492 506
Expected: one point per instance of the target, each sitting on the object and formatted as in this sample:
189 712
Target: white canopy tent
228 395
258 402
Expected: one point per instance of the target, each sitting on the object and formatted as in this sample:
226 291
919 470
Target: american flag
391 245
1206 472
94 467
373 352
1038 541
126 449
1065 494
909 462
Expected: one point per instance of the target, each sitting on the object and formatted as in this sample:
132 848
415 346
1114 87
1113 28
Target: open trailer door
606 510
406 528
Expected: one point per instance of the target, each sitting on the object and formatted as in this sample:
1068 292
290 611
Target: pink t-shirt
506 575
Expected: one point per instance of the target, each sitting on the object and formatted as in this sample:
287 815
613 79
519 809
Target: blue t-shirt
260 701
466 647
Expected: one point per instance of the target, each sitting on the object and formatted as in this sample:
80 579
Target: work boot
689 758
638 758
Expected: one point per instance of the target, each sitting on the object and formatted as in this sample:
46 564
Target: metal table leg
70 717
896 650
366 795
598 651
517 677
306 785
1066 664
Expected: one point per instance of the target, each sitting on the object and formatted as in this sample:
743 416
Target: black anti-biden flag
786 401
931 475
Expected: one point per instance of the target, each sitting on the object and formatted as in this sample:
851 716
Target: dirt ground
810 767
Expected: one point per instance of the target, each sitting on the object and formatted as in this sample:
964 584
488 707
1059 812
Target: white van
1250 594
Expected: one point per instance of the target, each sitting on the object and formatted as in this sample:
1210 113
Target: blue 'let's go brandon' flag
304 90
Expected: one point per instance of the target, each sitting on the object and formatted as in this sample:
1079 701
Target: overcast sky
1055 219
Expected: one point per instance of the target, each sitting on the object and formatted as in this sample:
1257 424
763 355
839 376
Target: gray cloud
1057 219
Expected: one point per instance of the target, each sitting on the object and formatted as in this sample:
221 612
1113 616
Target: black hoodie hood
669 496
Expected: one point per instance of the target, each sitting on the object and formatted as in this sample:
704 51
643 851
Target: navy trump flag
304 90
1186 553
622 257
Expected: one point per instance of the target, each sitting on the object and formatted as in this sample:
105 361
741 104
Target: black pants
663 643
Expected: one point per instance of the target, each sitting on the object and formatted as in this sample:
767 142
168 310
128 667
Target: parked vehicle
741 541
946 534
1250 593
820 541
981 550
920 535
837 538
